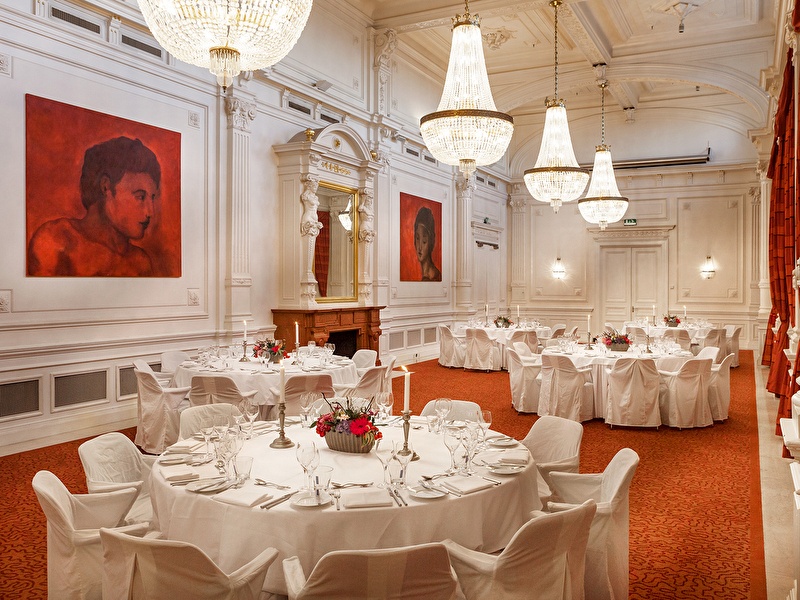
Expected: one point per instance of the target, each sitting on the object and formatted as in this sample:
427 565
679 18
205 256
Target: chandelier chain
603 113
555 4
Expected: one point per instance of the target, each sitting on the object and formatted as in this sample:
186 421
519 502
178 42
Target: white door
632 283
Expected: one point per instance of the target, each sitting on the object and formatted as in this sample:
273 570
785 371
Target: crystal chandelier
603 203
227 37
344 216
556 177
466 129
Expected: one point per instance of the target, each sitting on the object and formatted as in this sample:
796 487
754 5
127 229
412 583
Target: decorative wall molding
5 65
632 233
5 301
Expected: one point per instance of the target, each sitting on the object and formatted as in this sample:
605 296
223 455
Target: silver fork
336 496
259 481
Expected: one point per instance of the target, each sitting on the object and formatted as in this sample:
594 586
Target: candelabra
244 352
589 341
406 427
281 441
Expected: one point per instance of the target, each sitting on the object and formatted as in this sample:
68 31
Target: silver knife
393 497
489 479
277 501
403 500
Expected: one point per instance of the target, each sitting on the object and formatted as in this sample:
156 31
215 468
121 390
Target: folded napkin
246 496
186 446
466 485
179 473
518 456
263 425
366 499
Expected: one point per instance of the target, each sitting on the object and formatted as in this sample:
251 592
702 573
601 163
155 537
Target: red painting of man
120 189
420 239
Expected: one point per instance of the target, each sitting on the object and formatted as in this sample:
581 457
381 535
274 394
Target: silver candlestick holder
244 352
406 427
281 441
589 341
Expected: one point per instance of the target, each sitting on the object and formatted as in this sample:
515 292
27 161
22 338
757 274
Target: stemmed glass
451 435
307 400
385 402
469 439
384 450
251 412
308 457
207 429
403 459
442 408
485 422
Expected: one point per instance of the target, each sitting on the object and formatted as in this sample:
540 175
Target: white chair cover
147 568
684 395
74 551
708 352
460 410
555 445
482 353
607 551
158 413
558 330
388 361
545 560
566 391
719 388
171 360
165 379
680 336
369 384
632 393
524 382
420 572
297 385
113 462
573 332
522 350
717 339
732 333
192 418
452 348
363 359
636 334
213 389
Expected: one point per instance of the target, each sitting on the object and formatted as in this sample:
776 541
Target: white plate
503 442
507 469
311 501
425 493
214 484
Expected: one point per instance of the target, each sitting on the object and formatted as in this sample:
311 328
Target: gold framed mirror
336 248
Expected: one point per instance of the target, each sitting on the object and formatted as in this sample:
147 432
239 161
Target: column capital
240 113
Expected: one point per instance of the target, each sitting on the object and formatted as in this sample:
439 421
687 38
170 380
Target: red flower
360 426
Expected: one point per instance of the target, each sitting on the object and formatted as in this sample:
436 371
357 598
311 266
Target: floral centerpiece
614 340
349 427
672 320
274 350
502 321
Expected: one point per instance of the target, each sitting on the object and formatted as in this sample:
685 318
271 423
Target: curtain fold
322 252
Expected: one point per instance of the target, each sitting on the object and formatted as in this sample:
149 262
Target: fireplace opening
346 342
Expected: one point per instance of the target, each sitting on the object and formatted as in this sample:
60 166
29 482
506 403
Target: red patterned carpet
695 500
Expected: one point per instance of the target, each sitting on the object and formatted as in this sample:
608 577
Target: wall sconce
558 269
344 216
707 271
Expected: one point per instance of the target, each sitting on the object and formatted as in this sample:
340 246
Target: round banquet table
501 335
252 375
231 535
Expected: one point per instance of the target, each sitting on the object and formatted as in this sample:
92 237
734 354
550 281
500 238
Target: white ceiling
718 64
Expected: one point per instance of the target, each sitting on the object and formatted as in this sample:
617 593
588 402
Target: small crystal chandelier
556 177
227 37
344 216
603 203
467 130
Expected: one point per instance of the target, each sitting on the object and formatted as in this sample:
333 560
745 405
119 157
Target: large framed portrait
420 239
103 194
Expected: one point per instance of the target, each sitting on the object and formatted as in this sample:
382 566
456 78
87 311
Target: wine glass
251 412
451 435
442 408
469 439
384 450
385 402
207 429
307 400
403 458
485 422
308 457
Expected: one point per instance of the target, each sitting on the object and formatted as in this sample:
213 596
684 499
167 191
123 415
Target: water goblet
207 430
384 450
385 402
307 400
442 408
399 479
250 412
308 457
469 439
485 422
451 436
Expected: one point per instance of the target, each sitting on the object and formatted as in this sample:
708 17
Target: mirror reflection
336 250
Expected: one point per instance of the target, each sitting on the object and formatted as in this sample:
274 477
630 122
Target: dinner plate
425 493
311 501
503 442
208 485
507 469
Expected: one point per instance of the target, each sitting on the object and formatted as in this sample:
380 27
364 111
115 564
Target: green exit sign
629 222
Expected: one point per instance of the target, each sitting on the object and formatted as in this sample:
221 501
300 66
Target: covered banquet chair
632 393
460 410
607 572
719 389
520 336
566 391
419 572
525 384
555 445
113 462
370 383
679 336
684 395
159 413
299 384
214 389
711 352
558 330
171 360
452 348
388 361
544 560
482 352
523 350
74 551
732 333
149 568
363 359
165 379
193 418
717 338
637 334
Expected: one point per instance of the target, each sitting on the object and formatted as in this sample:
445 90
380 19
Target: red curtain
782 239
322 253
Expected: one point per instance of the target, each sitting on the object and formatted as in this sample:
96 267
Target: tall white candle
406 389
684 311
589 323
654 310
486 312
245 329
283 383
296 335
517 312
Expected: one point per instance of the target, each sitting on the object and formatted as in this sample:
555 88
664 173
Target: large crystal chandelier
556 177
466 129
227 36
603 203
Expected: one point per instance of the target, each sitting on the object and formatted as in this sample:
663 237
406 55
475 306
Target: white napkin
514 457
366 499
466 485
179 473
247 496
186 446
263 425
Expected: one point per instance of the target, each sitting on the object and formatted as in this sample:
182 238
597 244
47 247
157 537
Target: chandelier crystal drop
227 37
467 130
556 178
603 203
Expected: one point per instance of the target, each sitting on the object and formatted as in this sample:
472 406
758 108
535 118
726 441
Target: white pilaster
519 242
464 246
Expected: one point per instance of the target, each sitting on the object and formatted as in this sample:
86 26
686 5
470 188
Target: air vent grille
83 387
430 159
74 20
139 45
19 398
300 108
412 152
329 118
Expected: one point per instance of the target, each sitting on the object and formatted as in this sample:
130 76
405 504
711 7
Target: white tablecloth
252 376
501 335
695 332
600 360
484 520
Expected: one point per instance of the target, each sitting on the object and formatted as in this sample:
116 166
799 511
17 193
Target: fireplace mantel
317 324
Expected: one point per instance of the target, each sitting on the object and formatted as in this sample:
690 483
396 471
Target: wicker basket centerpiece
349 426
616 341
347 442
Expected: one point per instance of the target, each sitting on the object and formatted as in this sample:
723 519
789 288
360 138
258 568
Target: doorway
633 283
